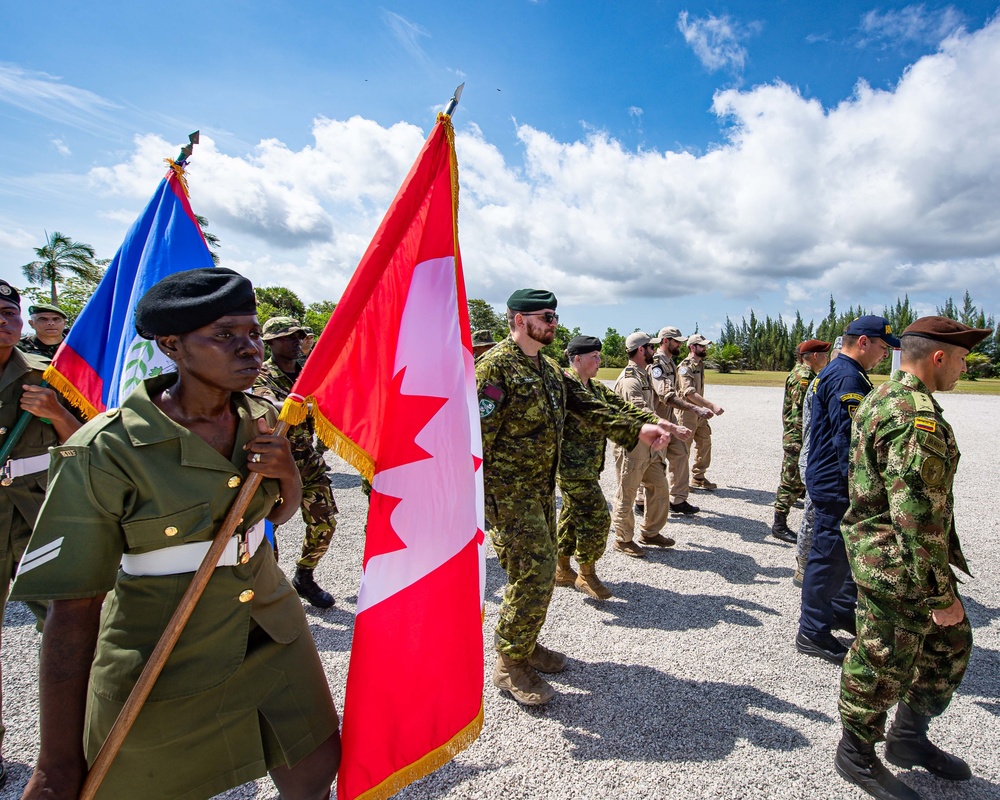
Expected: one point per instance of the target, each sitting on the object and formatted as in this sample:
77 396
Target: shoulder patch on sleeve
932 470
851 397
493 392
925 424
486 407
803 382
657 372
684 371
922 403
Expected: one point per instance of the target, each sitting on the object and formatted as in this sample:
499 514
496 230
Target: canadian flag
391 384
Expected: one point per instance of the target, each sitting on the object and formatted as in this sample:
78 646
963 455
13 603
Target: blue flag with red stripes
103 358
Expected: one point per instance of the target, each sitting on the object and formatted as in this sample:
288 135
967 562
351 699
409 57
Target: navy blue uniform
828 592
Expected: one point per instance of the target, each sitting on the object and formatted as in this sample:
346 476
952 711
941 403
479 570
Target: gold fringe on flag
179 172
294 412
61 384
425 766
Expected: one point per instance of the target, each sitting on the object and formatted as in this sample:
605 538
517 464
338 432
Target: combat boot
907 746
780 529
856 762
565 574
308 589
800 570
588 583
523 683
544 660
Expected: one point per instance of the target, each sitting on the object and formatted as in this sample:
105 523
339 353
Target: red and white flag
391 384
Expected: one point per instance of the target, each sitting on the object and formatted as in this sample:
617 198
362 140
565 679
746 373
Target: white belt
19 467
188 557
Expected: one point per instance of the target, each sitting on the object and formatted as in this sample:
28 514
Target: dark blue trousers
828 590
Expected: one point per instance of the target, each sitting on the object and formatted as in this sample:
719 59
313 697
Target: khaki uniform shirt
133 481
20 502
663 374
634 386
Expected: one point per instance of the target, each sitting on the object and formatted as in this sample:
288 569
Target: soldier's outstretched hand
656 436
704 413
678 431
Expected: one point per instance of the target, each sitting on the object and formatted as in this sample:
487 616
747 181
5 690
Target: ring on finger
255 458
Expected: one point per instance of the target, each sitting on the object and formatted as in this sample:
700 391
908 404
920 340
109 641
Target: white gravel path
686 684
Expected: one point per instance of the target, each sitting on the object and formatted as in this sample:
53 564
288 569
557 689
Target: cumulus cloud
47 96
914 24
889 192
716 40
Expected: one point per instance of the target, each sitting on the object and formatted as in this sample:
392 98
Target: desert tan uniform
690 379
639 466
663 373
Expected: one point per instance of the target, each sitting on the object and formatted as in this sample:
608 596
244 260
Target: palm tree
61 254
210 238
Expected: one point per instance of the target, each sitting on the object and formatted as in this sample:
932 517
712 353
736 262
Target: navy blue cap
874 327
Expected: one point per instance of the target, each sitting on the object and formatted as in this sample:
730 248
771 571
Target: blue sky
653 163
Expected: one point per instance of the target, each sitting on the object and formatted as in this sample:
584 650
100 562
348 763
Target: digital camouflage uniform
901 542
663 373
522 409
318 506
32 344
691 378
639 466
804 541
584 519
791 487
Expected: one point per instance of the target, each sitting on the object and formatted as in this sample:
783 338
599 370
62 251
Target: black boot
856 762
309 590
780 529
907 746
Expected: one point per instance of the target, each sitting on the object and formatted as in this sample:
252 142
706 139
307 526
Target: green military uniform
791 487
21 497
318 505
32 344
523 410
901 542
663 374
691 378
639 466
244 689
584 519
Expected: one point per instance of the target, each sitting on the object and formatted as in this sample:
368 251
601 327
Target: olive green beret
531 300
185 301
947 331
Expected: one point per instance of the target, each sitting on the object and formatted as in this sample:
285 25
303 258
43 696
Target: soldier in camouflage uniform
523 401
812 355
277 376
49 325
584 520
914 639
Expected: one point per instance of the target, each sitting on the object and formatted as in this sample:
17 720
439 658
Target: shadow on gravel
979 615
640 606
496 579
753 496
345 480
635 713
332 640
713 524
446 779
982 679
731 567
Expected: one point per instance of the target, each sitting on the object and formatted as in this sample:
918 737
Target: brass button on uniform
170 531
244 558
234 481
246 595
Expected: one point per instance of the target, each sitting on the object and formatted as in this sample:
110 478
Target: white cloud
407 33
61 147
716 40
46 95
887 193
911 24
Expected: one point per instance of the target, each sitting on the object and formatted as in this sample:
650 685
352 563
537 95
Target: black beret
947 331
9 293
581 345
187 300
531 300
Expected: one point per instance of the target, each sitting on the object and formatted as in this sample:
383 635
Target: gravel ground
686 684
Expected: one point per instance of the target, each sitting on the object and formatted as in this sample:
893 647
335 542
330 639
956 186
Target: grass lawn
981 386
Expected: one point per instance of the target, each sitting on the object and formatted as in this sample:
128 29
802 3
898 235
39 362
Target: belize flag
103 358
391 385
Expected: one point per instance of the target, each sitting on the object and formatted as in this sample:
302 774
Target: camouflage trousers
804 543
791 487
524 536
888 663
318 509
584 520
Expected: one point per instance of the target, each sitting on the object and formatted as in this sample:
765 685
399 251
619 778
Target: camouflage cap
671 332
42 308
483 339
697 338
276 327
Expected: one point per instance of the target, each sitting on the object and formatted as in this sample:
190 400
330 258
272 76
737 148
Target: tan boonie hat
636 340
276 327
697 338
671 332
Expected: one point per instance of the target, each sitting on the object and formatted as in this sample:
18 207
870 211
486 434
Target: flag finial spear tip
186 150
454 100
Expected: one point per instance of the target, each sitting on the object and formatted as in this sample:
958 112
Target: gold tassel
179 172
61 384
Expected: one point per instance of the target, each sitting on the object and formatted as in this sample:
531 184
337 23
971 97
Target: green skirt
274 711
